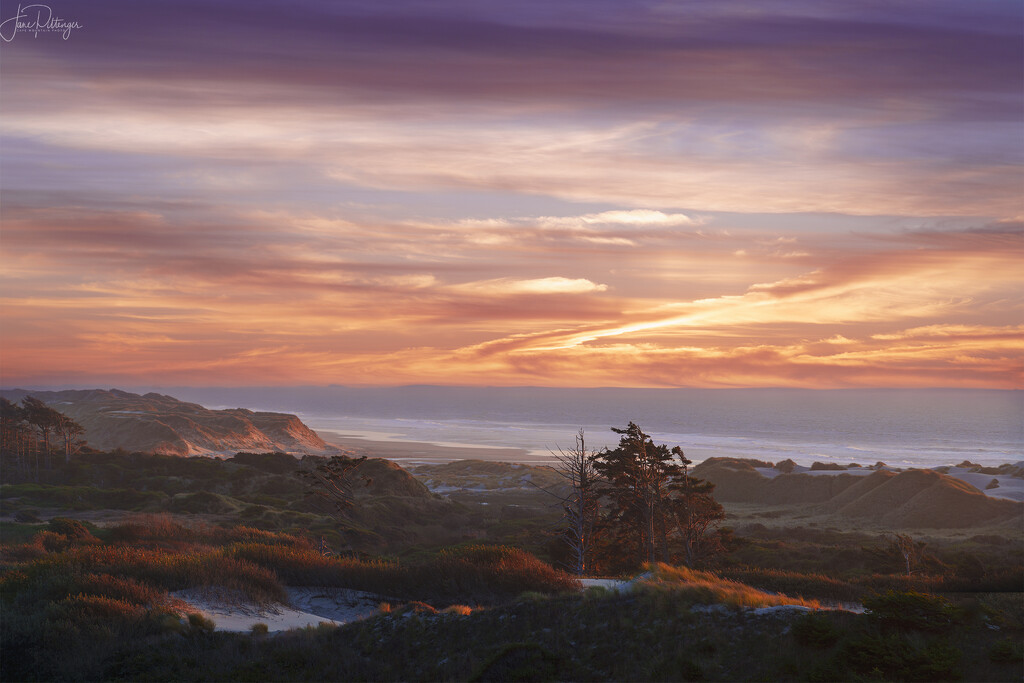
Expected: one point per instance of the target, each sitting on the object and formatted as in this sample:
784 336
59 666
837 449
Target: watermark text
35 19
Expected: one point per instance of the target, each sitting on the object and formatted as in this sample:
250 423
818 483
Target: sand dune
913 498
308 607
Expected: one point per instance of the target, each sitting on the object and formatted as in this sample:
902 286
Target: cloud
724 194
954 332
625 217
732 108
547 285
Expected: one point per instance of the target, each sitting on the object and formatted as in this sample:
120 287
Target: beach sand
421 452
308 607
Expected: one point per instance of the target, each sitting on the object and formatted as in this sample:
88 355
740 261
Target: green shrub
520 662
200 624
896 658
72 529
807 585
912 610
815 630
1006 652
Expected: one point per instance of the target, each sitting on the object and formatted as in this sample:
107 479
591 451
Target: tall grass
168 571
855 588
707 588
476 573
164 531
808 585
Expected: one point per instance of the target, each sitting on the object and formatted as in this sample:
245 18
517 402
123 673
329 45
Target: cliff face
155 423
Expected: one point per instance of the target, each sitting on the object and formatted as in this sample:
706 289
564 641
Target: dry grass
707 588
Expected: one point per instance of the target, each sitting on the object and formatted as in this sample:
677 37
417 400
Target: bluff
155 423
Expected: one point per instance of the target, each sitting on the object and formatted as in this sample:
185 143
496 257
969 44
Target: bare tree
580 506
910 550
335 481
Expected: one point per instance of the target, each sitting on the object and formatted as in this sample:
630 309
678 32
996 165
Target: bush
815 630
895 658
520 662
707 588
1006 652
807 585
912 610
200 624
165 570
72 529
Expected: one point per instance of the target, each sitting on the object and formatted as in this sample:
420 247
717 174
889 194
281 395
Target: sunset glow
571 194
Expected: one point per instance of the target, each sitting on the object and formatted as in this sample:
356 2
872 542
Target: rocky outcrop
155 423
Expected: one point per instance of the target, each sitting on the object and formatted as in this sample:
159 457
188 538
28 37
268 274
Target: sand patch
308 607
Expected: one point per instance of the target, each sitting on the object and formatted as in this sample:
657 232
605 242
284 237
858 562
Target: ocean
900 427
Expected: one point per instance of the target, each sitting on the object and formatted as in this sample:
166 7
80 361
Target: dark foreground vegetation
93 546
88 603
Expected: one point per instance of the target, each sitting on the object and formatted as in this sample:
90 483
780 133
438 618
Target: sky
780 193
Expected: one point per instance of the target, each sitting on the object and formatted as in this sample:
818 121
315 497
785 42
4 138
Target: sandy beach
421 452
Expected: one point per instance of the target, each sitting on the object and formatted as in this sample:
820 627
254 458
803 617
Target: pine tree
655 506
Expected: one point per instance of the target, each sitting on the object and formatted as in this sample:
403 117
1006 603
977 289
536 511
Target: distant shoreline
421 451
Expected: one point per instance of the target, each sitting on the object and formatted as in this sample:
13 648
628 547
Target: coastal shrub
54 585
912 610
894 657
520 662
707 588
815 630
302 565
203 502
200 624
809 585
458 610
480 573
80 497
169 571
273 463
1006 652
72 529
164 531
493 572
27 517
154 528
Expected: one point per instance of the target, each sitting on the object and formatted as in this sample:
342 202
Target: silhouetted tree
912 552
901 550
15 436
636 477
44 420
580 505
653 500
69 431
335 480
695 512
